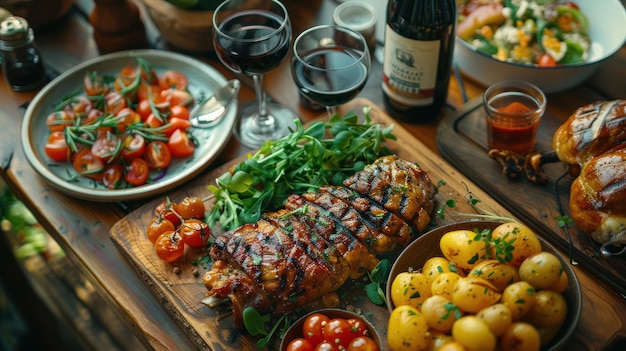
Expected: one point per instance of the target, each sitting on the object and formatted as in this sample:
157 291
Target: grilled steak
320 239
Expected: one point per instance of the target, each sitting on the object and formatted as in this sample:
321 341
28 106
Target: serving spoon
212 110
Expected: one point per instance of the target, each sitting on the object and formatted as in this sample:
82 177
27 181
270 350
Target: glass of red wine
330 65
253 39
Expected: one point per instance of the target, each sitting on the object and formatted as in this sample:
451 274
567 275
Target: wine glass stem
260 97
332 110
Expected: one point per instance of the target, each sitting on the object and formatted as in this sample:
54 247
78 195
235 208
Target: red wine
247 46
419 43
330 87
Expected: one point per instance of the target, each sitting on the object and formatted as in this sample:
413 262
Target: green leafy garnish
378 276
324 153
255 325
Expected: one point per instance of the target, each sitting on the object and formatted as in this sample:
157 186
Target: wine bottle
419 43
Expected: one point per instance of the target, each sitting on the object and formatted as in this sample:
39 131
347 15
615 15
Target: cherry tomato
177 97
300 344
56 148
358 327
137 172
169 246
326 346
546 60
106 146
134 145
173 79
113 176
143 109
91 117
127 117
93 85
79 104
147 91
125 77
57 121
180 144
195 232
88 165
158 225
191 207
313 326
175 124
169 211
153 121
362 343
179 111
115 102
157 155
337 330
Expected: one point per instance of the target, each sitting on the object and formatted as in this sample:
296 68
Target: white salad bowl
607 31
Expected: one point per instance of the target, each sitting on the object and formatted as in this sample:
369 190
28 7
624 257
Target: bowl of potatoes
482 285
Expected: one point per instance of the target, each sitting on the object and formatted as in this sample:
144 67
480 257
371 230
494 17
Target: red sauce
507 133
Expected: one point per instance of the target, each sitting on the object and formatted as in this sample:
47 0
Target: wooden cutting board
212 329
462 140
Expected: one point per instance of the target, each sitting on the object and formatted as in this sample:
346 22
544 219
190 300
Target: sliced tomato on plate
137 172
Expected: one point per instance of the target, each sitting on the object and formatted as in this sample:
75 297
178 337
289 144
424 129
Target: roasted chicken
321 239
592 142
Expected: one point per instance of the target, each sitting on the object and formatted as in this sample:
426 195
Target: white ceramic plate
203 80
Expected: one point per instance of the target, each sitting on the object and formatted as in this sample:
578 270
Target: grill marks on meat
400 186
320 239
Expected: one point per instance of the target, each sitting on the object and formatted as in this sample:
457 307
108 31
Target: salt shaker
22 64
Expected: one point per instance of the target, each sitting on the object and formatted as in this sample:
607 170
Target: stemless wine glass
330 64
253 38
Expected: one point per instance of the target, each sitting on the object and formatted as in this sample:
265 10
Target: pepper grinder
22 65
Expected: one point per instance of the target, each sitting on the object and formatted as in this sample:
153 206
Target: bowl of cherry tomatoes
483 285
331 329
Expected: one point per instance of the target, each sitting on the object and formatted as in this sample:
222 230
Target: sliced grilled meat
400 186
375 216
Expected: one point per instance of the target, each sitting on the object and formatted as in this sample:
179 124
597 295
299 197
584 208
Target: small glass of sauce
514 110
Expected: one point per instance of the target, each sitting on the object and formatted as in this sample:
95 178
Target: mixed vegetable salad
539 32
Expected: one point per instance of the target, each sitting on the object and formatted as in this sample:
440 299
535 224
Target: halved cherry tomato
134 146
143 109
158 225
79 104
313 327
179 111
180 144
127 117
153 121
137 172
546 60
88 165
91 117
177 97
93 85
113 176
115 102
195 232
169 246
300 344
147 91
191 207
106 146
57 121
157 155
174 124
56 148
173 79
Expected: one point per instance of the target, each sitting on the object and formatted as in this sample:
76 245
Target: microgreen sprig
377 277
324 153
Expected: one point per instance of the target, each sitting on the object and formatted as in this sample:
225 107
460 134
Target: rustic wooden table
82 228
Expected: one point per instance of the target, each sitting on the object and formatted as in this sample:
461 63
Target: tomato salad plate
202 81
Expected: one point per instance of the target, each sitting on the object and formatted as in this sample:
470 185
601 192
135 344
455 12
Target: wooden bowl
188 30
295 330
415 255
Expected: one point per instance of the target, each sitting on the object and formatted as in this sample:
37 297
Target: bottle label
410 69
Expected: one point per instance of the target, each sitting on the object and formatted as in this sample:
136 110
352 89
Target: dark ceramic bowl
295 331
415 255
